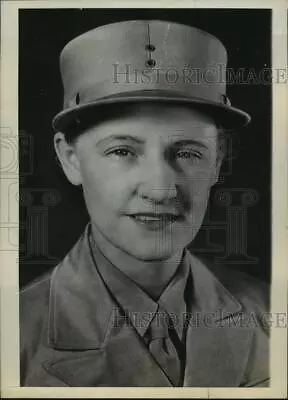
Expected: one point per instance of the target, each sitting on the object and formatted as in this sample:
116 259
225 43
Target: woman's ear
221 153
67 156
216 171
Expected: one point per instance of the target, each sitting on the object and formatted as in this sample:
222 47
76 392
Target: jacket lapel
123 362
217 356
219 337
93 345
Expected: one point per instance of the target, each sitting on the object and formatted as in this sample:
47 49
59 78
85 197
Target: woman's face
146 177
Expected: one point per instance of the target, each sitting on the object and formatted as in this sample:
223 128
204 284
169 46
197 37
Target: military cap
141 61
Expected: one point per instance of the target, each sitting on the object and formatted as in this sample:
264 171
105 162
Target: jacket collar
210 296
82 312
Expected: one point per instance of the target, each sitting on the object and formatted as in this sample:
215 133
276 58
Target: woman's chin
146 253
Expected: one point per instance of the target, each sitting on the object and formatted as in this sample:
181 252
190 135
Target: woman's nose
158 181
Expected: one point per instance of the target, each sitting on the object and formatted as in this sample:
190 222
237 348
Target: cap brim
228 117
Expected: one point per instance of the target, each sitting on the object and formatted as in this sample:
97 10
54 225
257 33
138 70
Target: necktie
162 347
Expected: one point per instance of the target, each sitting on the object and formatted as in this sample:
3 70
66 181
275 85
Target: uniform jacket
68 336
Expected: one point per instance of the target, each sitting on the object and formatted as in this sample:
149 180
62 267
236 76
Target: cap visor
228 117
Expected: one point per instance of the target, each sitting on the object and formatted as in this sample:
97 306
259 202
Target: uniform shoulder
34 298
33 308
38 286
247 289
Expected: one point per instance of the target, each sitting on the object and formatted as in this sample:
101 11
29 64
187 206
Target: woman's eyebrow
113 138
140 141
193 142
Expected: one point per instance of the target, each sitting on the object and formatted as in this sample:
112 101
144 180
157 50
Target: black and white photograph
145 142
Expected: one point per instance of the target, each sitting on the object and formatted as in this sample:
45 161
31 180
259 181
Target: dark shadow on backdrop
48 200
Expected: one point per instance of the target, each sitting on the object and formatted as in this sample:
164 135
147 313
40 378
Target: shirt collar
173 297
138 306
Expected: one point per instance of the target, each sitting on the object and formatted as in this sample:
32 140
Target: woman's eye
121 152
188 154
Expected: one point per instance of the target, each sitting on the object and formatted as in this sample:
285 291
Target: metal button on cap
150 63
150 47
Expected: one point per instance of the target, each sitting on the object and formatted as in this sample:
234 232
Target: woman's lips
154 221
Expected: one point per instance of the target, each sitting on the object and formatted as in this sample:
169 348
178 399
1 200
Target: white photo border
9 229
